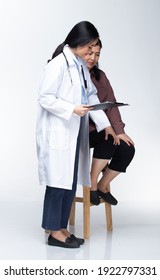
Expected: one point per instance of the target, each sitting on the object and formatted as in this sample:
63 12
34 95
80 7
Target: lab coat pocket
59 140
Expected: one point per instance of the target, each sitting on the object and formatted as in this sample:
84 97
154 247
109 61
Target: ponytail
57 51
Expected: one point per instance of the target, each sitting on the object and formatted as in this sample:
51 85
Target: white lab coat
57 125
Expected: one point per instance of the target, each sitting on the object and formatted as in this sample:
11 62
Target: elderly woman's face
92 59
86 50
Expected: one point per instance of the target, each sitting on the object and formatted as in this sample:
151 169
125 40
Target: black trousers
120 156
58 202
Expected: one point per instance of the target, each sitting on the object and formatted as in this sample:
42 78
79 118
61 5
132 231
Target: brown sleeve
105 93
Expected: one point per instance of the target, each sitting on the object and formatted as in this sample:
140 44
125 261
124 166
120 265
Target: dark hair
95 69
81 34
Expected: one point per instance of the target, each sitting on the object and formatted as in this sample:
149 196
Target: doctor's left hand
81 110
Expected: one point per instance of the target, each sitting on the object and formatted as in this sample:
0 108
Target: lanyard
84 80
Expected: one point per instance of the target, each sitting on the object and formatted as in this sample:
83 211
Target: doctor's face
93 58
86 50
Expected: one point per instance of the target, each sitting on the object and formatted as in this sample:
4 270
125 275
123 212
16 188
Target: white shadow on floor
135 235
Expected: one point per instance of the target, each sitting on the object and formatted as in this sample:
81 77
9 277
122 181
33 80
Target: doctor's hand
110 130
81 110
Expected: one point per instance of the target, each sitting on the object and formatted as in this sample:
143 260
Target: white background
30 30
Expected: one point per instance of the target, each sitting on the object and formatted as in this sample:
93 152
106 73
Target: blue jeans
58 202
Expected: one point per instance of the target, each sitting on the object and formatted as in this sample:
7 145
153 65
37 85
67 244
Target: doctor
62 137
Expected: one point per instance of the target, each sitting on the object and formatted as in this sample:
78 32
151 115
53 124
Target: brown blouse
105 93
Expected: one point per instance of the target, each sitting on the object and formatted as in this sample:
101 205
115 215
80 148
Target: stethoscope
68 68
83 76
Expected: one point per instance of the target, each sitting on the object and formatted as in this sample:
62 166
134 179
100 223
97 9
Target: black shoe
68 243
94 197
74 238
108 197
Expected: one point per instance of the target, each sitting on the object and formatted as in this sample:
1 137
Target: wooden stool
86 212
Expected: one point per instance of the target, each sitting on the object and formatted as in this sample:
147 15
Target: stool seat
85 199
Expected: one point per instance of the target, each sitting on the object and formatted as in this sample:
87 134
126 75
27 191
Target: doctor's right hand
82 110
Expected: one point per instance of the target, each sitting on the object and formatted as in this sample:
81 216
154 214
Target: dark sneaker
108 197
94 197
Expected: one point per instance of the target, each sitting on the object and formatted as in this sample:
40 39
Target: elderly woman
115 154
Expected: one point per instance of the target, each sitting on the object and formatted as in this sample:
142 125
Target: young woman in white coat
62 137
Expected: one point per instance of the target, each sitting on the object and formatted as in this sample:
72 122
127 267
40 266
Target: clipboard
107 105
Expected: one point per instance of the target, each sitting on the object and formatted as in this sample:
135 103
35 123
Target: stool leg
86 212
108 211
72 213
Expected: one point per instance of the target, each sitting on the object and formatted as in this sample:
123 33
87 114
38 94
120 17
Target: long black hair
95 69
81 34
